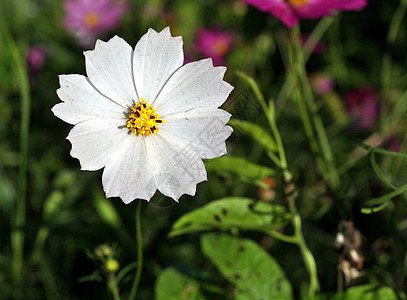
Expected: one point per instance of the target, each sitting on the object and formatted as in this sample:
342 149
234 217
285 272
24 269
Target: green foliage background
222 243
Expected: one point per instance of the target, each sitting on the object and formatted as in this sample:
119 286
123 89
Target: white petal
203 128
95 142
83 102
156 57
129 175
177 167
197 84
109 69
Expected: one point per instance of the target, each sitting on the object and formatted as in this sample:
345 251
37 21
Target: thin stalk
112 284
280 146
305 117
307 256
325 148
18 221
314 38
298 237
339 68
387 61
139 236
284 238
39 242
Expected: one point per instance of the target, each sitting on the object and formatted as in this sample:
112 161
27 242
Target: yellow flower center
297 2
91 19
143 119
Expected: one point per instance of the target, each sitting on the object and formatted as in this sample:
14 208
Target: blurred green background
68 217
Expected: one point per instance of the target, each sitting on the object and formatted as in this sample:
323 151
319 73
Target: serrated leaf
230 213
172 285
363 292
253 272
259 135
240 167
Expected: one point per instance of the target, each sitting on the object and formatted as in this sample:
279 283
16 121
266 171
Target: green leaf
253 272
256 132
363 292
240 167
172 285
233 213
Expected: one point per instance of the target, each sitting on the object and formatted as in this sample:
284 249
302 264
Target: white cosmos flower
144 117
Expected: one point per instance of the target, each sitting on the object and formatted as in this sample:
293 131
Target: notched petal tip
166 30
230 129
100 43
129 200
55 108
229 87
227 115
151 30
126 200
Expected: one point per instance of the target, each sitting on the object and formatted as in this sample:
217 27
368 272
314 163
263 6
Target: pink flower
291 11
394 144
363 105
35 59
214 44
87 19
321 83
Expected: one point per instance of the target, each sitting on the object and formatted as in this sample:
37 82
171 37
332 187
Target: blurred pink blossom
321 83
35 59
87 19
363 105
394 144
214 44
291 11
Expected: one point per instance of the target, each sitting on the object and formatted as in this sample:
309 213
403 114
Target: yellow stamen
297 2
91 19
143 119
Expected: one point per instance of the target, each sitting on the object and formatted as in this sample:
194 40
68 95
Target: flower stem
139 236
306 253
298 237
332 176
387 63
40 239
112 284
315 36
18 221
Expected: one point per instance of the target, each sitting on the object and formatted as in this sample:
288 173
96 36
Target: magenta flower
321 83
35 59
363 105
214 44
291 11
394 144
88 19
